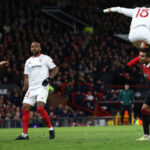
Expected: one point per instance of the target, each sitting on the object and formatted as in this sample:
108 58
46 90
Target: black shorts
147 98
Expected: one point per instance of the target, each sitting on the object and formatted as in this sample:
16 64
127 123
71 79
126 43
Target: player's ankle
51 128
24 134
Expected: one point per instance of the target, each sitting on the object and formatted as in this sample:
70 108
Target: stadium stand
89 63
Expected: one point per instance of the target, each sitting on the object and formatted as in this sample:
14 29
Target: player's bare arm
108 10
25 87
4 63
53 73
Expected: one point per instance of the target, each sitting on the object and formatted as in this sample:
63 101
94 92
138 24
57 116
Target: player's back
141 17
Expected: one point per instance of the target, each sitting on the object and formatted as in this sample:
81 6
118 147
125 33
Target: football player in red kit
144 59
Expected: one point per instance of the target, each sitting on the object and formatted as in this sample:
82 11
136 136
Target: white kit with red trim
37 68
140 24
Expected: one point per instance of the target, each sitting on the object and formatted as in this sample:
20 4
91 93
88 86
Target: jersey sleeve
26 69
134 61
50 63
125 11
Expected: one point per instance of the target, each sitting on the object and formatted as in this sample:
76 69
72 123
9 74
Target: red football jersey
145 68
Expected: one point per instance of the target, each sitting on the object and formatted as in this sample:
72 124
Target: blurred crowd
87 61
10 111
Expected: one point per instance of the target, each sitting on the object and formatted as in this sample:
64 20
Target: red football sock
45 116
25 120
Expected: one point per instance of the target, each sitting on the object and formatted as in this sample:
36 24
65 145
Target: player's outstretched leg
45 116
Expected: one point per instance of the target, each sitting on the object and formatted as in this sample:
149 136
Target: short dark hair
146 51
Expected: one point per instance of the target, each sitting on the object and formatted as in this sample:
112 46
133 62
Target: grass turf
76 138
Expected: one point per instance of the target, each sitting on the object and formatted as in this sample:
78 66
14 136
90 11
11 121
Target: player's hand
4 63
132 105
46 81
108 10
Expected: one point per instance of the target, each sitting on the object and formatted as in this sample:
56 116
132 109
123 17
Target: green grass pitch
76 138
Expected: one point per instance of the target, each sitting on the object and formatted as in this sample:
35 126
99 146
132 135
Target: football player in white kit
139 33
36 83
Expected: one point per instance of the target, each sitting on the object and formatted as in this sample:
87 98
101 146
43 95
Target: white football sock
24 134
50 129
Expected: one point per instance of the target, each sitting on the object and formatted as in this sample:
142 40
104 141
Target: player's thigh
43 94
146 107
26 106
29 99
139 44
40 104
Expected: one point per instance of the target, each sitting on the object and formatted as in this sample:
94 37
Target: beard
35 53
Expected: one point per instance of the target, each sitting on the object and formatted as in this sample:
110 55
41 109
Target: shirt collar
37 55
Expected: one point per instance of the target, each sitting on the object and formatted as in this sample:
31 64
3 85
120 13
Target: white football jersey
141 17
37 68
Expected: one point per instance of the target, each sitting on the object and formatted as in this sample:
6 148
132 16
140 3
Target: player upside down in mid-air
37 80
144 59
139 33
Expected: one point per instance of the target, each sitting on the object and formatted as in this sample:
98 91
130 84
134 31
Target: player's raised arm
133 62
125 11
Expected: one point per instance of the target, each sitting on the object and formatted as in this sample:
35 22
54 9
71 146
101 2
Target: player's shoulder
45 57
29 59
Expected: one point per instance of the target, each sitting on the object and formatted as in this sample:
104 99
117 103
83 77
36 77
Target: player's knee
139 44
145 109
40 104
142 110
40 109
26 107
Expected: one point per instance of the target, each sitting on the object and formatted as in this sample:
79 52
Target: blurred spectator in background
88 62
79 98
127 101
59 110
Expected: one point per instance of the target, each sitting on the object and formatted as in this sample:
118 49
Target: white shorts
34 95
141 33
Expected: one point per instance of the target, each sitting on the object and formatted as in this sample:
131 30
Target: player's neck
37 55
